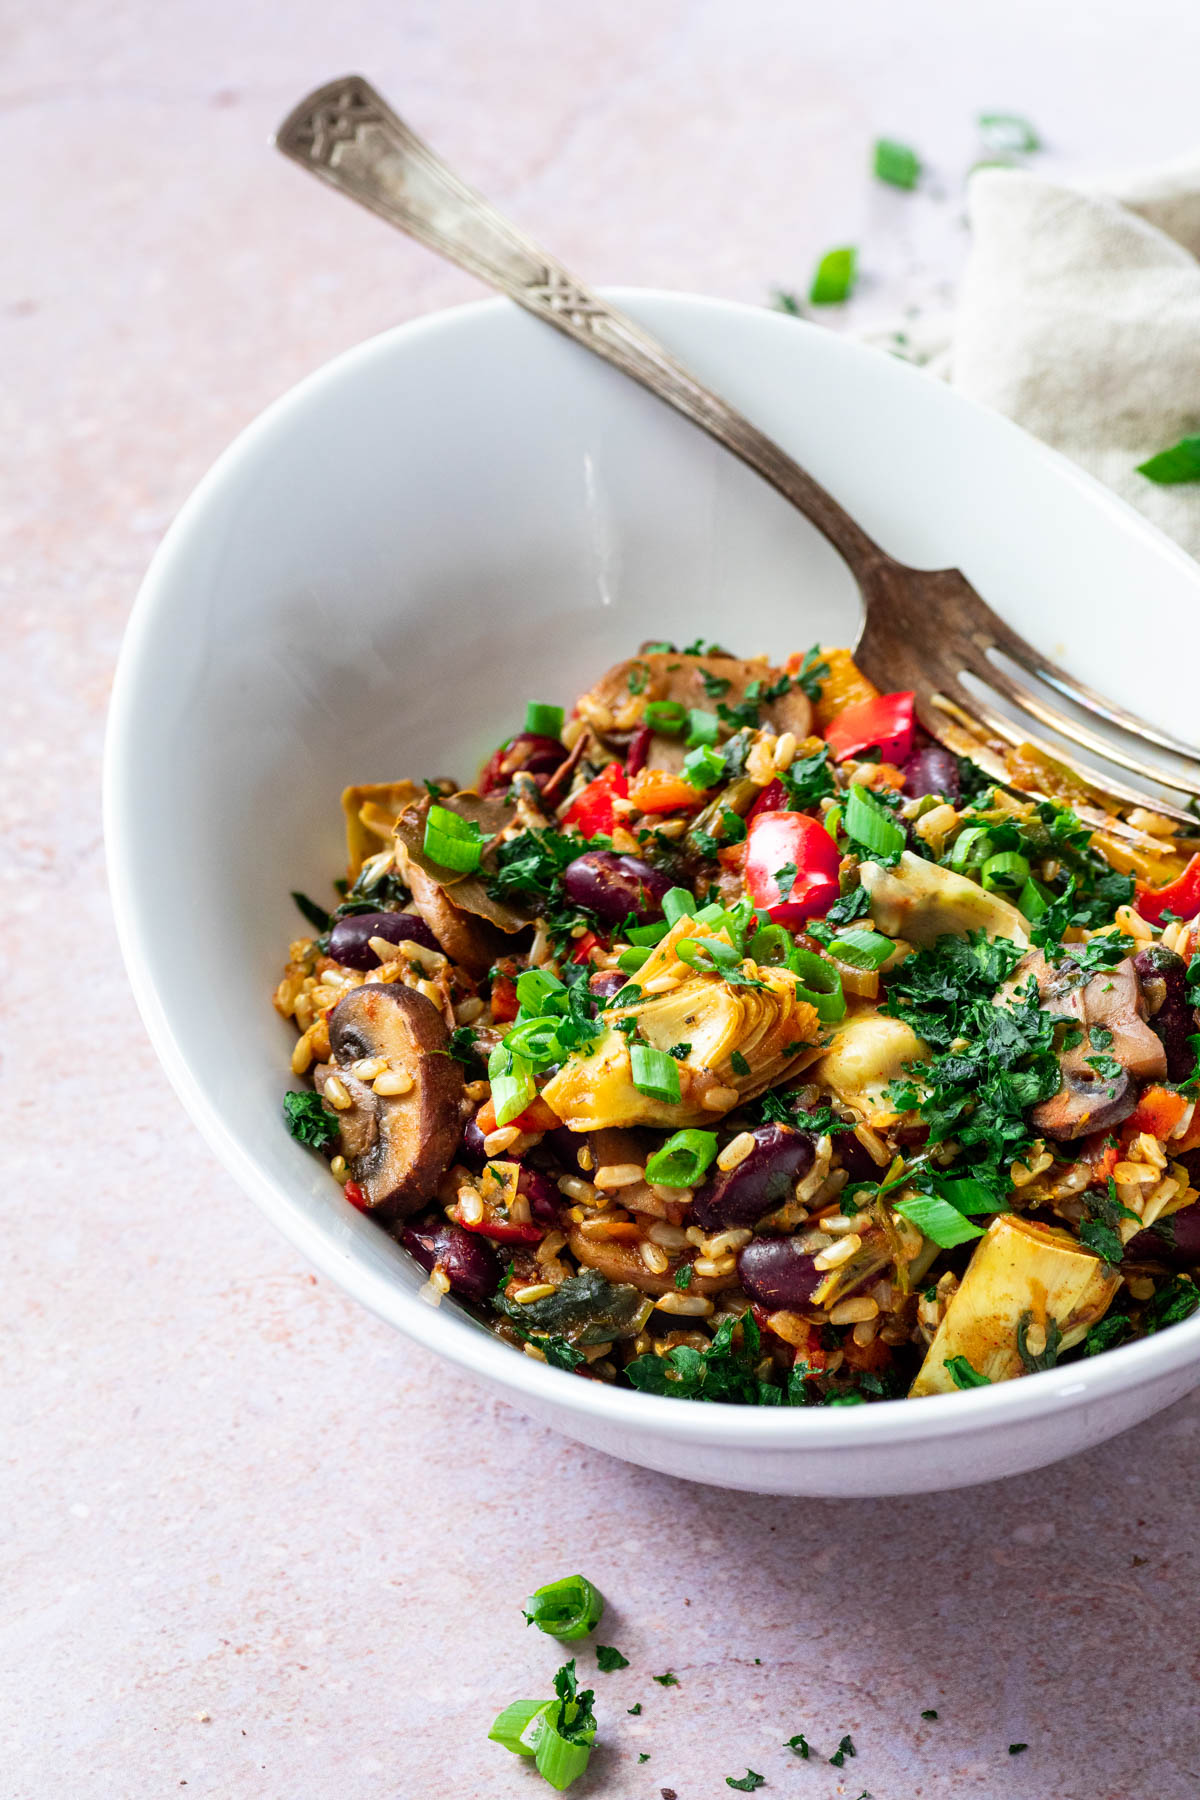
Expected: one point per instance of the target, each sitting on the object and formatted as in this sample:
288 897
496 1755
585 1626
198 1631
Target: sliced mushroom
397 1146
613 708
469 941
493 814
1091 1099
623 1263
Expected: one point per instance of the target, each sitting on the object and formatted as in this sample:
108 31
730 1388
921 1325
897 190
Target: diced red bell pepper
355 1195
1181 896
583 948
772 799
779 843
884 724
504 1231
592 809
505 1005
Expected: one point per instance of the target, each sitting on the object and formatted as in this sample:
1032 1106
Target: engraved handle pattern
347 134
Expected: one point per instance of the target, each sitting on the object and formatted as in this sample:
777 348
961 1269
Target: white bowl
467 513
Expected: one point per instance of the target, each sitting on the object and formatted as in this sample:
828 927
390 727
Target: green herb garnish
608 1659
834 278
310 1121
896 163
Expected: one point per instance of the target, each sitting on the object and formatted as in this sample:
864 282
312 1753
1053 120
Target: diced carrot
1158 1112
657 790
504 999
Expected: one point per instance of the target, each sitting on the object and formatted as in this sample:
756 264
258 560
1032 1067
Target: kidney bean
467 1260
349 939
1173 1021
528 753
471 1150
566 1145
607 982
1174 1240
760 1182
613 886
777 1273
932 770
542 1194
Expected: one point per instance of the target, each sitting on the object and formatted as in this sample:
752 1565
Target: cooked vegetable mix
732 1041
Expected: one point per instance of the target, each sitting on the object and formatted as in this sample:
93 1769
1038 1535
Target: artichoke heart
921 902
709 1022
1022 1275
869 1052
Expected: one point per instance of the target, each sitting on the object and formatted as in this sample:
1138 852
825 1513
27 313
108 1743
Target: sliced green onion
714 915
971 847
1009 870
1034 900
510 1725
969 1195
832 821
451 842
703 727
654 1073
535 987
1008 132
1180 463
649 934
703 767
678 903
819 984
834 279
512 1084
896 163
869 823
771 946
630 961
566 1609
561 1760
862 949
669 716
940 1222
545 721
706 954
683 1158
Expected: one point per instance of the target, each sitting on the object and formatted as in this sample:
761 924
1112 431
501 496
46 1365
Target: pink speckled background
243 1554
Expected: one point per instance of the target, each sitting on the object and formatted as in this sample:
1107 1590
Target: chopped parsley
844 1749
799 1744
608 1659
310 1121
964 1375
634 1710
316 915
738 1063
667 1680
929 1713
746 1784
808 781
1099 1228
812 673
715 686
1016 1749
679 1051
683 1276
1041 1359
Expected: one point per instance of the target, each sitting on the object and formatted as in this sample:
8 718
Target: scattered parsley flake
845 1748
608 1659
746 1783
667 1680
799 1744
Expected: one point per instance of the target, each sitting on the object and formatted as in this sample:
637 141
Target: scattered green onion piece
545 721
654 1073
1180 463
683 1159
703 727
819 984
941 1222
834 279
715 915
896 163
832 821
678 903
649 934
1007 871
869 823
566 1609
535 987
511 1725
451 842
630 961
1034 900
703 768
560 1760
862 949
1008 131
668 716
971 847
512 1083
771 946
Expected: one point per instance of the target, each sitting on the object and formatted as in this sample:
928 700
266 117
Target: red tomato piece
504 1231
791 867
355 1195
1182 896
884 723
592 809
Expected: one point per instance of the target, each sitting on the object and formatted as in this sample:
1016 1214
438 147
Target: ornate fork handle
347 134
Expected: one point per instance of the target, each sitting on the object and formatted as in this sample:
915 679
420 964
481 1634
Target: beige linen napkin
1079 317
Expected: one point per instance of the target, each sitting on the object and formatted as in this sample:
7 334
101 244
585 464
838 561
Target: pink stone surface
255 1544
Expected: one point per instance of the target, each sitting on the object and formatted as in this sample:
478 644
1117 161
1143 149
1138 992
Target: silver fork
922 628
